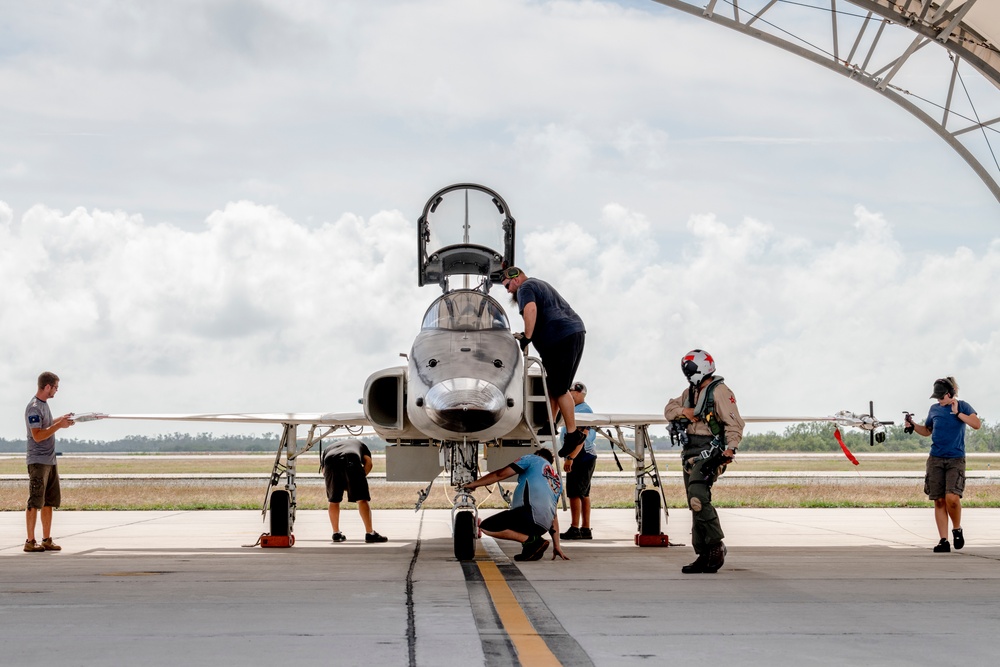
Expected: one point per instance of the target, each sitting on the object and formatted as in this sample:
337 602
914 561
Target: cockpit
465 310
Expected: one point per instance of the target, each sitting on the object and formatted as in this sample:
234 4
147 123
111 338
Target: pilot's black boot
698 566
716 558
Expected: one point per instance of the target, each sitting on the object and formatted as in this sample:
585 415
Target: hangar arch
937 59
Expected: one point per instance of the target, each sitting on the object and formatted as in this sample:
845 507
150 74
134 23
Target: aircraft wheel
465 535
649 512
280 519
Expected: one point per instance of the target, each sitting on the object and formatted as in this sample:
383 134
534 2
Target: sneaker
533 549
49 545
942 547
373 538
526 548
585 534
545 431
959 538
573 533
570 442
31 546
339 537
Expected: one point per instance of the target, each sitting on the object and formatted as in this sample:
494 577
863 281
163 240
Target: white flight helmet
697 365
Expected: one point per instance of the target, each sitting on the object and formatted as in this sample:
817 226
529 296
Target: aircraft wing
622 419
317 418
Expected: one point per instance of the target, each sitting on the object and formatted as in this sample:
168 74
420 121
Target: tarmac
800 586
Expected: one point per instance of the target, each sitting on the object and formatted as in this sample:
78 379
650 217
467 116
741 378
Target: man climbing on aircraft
945 478
708 415
345 466
558 333
579 464
532 512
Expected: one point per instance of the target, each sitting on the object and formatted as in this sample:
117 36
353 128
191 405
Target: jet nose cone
465 405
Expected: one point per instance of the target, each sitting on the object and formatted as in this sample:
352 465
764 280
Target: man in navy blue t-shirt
945 478
558 333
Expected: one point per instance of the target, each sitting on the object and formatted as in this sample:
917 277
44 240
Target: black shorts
43 486
345 473
519 520
578 478
561 361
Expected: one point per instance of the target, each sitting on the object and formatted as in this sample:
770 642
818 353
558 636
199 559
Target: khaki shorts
944 476
43 486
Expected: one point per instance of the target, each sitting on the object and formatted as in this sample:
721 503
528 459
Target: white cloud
257 312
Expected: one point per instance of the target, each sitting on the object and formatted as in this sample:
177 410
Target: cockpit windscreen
465 311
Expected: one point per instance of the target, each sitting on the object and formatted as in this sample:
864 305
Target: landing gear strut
462 461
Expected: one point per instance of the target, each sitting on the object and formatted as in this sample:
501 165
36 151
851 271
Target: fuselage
465 378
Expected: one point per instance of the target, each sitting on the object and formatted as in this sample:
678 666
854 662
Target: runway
824 587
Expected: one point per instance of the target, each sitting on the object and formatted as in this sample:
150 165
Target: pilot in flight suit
708 413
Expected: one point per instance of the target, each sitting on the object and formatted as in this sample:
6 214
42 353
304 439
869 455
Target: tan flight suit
706 530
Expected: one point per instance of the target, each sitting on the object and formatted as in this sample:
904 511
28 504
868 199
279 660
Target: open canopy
467 230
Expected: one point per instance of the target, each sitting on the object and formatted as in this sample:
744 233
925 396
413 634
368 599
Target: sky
211 206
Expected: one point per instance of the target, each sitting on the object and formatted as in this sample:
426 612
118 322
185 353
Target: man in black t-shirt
345 466
558 334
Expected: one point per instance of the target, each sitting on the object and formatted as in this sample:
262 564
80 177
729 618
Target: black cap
943 386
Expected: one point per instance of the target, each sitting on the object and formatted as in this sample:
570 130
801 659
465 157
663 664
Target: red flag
847 452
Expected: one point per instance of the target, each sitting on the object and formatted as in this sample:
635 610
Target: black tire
649 512
280 516
465 536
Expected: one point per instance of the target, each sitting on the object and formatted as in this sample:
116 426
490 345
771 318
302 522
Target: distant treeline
174 442
810 437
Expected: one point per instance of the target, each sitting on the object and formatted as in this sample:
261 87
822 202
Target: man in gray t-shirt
43 477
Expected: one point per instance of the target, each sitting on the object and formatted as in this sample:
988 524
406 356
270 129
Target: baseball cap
944 386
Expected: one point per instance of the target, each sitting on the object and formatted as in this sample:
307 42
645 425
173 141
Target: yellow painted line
531 648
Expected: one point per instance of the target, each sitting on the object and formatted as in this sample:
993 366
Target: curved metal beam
932 24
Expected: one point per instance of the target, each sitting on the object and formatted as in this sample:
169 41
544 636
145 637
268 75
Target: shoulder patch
34 419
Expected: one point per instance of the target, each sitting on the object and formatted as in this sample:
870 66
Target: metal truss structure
938 60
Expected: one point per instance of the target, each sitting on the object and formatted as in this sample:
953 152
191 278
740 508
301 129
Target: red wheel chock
652 540
281 541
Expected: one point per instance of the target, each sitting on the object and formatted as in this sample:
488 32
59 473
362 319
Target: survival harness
712 459
705 409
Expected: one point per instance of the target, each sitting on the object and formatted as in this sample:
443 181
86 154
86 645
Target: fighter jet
467 392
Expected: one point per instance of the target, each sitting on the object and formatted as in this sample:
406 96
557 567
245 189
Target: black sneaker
374 538
545 431
533 549
942 547
570 441
339 537
527 547
959 538
573 533
585 534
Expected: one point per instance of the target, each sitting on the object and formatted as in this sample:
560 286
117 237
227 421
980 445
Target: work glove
522 340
